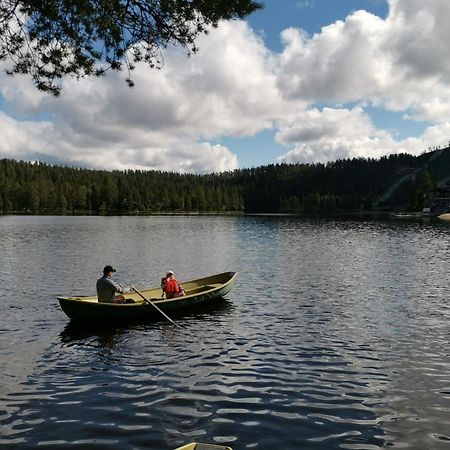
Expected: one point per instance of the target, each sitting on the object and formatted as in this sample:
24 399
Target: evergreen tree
58 38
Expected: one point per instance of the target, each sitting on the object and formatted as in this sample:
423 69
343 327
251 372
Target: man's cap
108 269
170 272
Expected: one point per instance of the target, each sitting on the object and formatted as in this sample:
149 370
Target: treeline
341 185
39 187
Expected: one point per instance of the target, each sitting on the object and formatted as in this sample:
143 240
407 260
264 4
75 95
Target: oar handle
151 303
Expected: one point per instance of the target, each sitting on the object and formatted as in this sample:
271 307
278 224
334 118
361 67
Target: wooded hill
396 182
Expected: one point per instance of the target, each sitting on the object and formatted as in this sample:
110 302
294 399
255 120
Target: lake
336 335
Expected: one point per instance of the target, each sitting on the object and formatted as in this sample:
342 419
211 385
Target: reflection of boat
198 292
199 446
106 336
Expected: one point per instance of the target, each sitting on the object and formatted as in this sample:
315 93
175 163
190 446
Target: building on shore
439 200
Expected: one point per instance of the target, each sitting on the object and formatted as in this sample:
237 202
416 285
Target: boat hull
202 291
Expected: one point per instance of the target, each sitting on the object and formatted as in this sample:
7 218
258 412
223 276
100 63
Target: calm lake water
336 335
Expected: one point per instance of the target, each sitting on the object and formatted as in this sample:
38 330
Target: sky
301 81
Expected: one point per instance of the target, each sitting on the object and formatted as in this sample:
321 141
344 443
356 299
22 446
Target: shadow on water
109 334
220 307
78 332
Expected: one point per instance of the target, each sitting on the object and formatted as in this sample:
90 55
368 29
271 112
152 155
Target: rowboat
201 291
199 446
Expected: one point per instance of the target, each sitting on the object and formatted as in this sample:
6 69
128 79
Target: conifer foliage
343 185
52 39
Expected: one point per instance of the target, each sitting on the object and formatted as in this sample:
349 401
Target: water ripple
335 336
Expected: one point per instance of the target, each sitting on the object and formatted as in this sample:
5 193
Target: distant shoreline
335 214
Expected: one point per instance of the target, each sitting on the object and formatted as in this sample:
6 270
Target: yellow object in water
199 446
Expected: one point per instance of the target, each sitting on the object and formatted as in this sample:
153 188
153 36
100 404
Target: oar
154 306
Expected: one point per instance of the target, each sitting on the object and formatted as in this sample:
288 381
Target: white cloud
399 62
166 120
319 136
236 87
331 134
18 136
418 37
338 64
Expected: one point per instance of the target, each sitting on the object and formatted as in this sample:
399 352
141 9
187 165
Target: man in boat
171 287
107 288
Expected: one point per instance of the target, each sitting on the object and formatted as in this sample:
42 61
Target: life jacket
171 286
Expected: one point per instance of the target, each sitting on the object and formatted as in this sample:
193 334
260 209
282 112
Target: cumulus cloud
339 64
235 87
17 136
330 134
399 63
418 37
166 120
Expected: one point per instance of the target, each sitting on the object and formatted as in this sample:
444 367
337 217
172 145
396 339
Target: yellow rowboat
199 446
201 291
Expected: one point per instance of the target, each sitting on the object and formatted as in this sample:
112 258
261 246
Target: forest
344 185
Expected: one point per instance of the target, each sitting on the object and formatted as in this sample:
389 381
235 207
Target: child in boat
171 287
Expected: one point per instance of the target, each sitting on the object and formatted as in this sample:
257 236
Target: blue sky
299 81
310 15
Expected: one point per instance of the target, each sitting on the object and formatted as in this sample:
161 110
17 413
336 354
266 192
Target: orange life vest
171 286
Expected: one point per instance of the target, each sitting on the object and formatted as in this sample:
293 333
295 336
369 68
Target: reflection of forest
342 185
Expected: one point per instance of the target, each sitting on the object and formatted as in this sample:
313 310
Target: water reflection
105 336
335 336
108 336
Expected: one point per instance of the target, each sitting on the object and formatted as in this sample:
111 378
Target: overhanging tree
52 39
